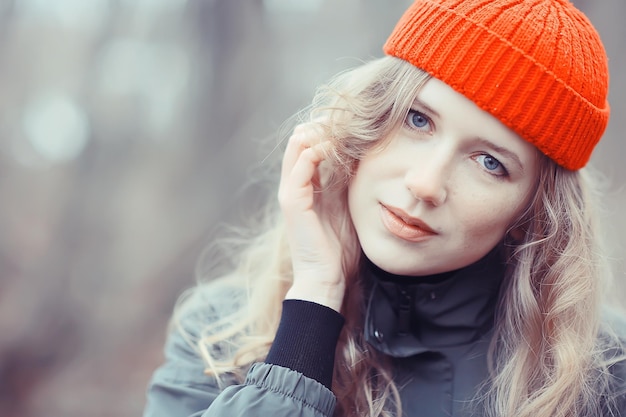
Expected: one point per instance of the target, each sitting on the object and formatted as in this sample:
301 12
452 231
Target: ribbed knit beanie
538 66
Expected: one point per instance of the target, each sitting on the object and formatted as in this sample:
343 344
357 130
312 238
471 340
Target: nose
428 179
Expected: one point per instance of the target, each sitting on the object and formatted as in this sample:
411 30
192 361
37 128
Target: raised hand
315 246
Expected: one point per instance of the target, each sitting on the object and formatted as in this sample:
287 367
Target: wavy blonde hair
543 361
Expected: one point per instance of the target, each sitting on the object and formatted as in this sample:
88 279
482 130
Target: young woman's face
444 189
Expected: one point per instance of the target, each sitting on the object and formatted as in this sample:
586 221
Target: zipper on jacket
405 306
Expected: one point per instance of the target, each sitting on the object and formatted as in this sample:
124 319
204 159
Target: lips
403 226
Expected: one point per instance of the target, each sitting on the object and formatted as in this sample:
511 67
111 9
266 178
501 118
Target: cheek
357 196
489 219
369 172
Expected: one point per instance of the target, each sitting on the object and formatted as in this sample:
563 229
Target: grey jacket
179 387
437 334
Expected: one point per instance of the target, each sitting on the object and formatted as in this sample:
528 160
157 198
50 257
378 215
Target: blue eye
417 120
492 165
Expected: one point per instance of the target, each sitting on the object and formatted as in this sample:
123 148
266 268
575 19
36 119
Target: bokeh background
128 132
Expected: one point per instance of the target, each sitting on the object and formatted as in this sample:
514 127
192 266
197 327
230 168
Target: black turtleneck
405 316
410 315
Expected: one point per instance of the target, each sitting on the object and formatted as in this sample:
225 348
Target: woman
436 252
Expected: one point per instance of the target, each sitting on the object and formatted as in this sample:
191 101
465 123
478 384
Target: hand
314 244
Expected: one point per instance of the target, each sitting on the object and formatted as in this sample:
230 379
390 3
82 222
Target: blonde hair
542 357
547 356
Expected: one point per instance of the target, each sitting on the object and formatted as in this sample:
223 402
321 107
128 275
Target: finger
305 168
304 136
296 183
297 187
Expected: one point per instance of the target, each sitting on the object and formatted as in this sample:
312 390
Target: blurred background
128 132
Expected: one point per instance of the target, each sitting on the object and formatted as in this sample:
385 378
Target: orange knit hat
539 66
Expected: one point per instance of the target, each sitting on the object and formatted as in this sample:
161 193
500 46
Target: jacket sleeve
180 388
615 355
618 372
273 390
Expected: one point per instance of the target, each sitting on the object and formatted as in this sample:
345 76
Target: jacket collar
410 315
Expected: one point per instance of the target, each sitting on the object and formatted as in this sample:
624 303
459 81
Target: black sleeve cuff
306 340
